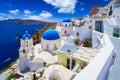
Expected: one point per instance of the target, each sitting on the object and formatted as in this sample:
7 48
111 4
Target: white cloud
16 11
42 16
1 18
35 17
82 9
64 6
45 14
2 14
27 12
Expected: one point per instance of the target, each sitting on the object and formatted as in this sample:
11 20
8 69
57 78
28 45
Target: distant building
94 10
116 3
66 27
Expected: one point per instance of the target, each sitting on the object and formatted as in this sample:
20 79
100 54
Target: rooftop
51 34
86 54
72 48
26 36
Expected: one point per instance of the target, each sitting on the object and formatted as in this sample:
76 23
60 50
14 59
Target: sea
10 43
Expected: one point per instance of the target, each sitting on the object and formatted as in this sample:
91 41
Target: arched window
55 46
110 7
65 25
47 47
26 43
65 32
77 34
23 51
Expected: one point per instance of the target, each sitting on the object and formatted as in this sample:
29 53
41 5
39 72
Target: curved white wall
99 67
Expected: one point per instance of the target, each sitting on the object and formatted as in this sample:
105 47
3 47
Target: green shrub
11 76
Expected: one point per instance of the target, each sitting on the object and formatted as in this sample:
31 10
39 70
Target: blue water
9 45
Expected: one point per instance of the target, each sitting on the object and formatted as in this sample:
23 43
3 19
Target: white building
50 40
27 62
66 27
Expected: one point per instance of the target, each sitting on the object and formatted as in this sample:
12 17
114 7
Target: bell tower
25 51
26 45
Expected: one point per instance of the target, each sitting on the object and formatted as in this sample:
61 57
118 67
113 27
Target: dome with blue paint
51 34
67 20
26 36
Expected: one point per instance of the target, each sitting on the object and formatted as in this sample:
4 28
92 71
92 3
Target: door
99 26
68 63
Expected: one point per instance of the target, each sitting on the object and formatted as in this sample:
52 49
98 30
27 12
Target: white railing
97 39
98 68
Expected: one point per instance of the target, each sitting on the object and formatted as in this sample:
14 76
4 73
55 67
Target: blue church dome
26 35
51 35
66 20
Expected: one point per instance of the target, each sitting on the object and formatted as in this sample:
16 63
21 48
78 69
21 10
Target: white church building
50 40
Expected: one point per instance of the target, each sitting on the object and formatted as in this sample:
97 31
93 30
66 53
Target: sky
47 10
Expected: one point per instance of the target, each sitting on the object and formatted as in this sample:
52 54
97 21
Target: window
44 64
90 27
47 47
92 10
116 32
65 32
26 43
99 26
24 51
65 25
97 9
68 63
77 34
55 47
110 12
110 7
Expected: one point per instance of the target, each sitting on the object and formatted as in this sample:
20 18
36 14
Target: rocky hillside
25 22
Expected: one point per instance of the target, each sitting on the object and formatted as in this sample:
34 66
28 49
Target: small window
27 45
65 25
77 34
110 7
26 41
44 64
97 9
55 46
23 51
90 27
47 46
65 32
